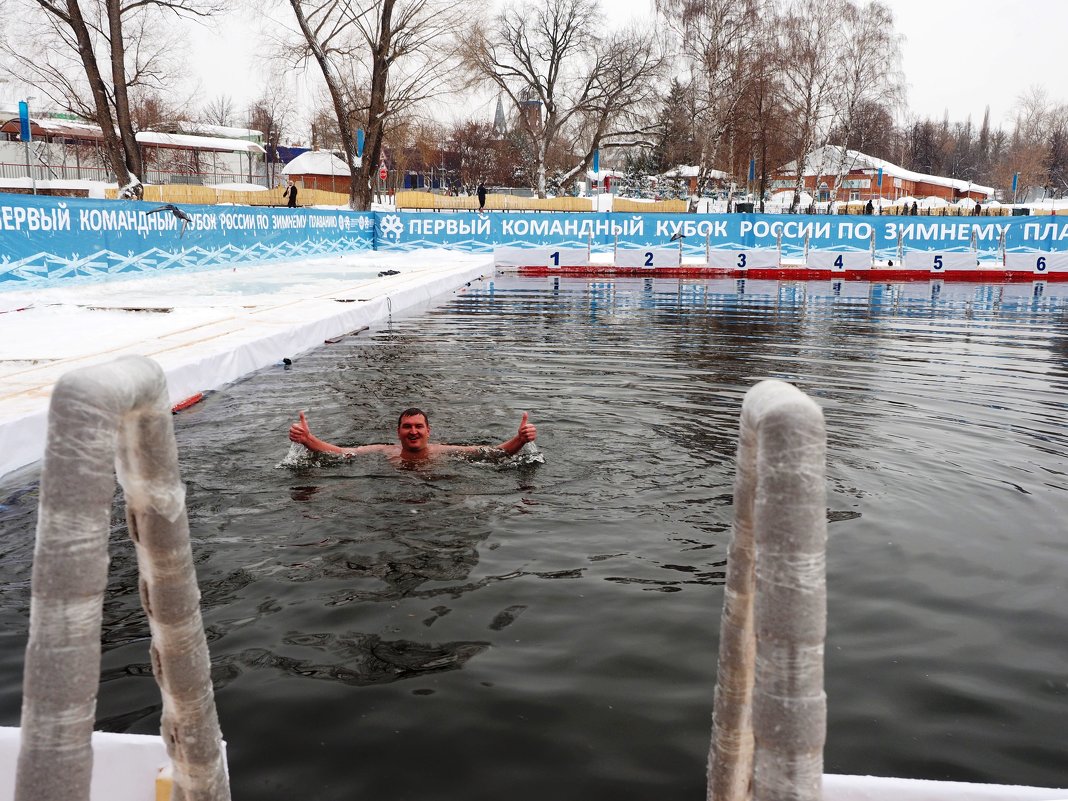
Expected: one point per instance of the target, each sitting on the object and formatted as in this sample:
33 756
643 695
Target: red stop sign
382 174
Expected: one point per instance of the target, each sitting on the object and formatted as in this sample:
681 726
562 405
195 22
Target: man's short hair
413 412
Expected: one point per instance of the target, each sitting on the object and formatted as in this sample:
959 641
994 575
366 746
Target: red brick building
858 176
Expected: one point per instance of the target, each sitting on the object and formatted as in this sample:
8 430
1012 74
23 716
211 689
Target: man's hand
527 432
300 433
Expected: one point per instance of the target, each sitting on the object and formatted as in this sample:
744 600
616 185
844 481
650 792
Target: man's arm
301 434
526 433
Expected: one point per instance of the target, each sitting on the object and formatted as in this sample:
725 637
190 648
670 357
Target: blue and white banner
43 239
885 234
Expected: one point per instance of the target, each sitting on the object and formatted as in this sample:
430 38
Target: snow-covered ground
205 327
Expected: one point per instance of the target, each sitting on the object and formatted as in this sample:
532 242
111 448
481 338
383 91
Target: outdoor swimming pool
530 631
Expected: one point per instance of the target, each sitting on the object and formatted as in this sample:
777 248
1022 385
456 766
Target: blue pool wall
47 240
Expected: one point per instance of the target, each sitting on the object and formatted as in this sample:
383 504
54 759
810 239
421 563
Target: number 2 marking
648 258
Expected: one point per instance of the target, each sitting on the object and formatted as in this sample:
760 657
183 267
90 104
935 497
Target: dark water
485 631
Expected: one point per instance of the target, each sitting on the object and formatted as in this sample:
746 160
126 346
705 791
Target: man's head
413 430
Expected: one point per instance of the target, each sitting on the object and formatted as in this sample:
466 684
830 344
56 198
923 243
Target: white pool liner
205 328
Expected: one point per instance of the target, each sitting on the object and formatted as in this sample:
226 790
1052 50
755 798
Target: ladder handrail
770 715
115 414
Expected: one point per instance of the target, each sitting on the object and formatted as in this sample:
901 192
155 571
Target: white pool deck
205 328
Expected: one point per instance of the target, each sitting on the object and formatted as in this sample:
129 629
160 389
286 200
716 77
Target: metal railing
114 415
42 171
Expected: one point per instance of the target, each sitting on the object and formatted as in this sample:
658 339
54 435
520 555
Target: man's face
413 432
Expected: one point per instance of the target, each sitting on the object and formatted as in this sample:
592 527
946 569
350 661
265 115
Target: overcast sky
958 55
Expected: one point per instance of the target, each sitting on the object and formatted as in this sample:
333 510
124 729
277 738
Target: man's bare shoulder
388 450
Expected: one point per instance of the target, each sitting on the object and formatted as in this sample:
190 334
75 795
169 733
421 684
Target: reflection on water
475 629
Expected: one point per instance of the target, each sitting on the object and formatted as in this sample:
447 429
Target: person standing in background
481 197
291 195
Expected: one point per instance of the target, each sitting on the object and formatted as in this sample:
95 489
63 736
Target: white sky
958 55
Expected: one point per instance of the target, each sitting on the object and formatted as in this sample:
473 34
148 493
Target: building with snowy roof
858 176
62 149
319 169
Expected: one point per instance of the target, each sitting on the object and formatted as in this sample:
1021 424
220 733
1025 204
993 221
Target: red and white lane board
1037 262
649 258
940 261
744 259
545 256
838 261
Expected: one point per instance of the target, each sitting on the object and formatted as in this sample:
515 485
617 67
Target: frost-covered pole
769 725
112 415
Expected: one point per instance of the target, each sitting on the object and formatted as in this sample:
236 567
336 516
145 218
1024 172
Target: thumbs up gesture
527 432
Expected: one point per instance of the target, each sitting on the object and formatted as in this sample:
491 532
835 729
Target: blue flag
359 143
597 160
879 180
24 121
1015 178
752 169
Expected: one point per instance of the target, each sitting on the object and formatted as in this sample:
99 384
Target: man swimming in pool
413 432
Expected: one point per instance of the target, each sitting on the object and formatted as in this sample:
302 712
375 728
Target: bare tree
475 143
566 79
869 73
379 60
270 115
718 41
220 110
88 55
808 47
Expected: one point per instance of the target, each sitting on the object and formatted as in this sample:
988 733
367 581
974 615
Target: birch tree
718 42
379 60
869 73
809 46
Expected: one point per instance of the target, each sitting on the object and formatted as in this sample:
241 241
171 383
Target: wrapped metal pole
769 723
103 420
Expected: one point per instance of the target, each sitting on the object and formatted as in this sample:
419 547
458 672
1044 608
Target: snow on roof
224 131
239 187
316 162
832 158
692 171
199 142
78 129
